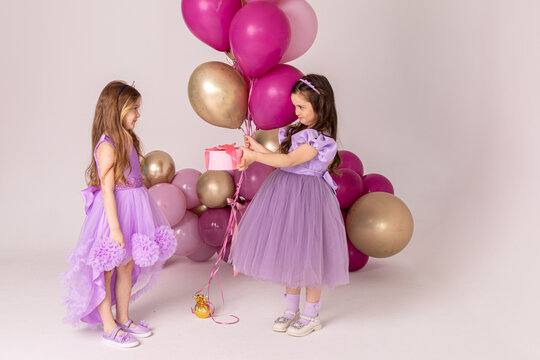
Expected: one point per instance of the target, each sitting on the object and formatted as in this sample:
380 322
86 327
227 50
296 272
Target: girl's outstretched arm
254 145
105 159
300 155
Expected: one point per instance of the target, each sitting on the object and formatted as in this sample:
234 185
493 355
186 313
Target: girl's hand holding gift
248 157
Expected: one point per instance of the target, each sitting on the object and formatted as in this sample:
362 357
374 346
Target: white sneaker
282 323
296 328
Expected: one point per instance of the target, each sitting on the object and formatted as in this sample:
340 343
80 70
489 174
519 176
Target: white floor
391 309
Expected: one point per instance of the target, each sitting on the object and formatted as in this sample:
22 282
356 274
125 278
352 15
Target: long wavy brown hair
324 107
114 102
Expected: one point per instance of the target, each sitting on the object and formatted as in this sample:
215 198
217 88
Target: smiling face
303 109
132 115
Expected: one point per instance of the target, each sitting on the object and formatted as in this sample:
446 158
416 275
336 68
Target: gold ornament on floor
202 310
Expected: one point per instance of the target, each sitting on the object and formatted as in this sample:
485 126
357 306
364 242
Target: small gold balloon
268 139
218 94
202 310
157 167
214 187
379 224
198 210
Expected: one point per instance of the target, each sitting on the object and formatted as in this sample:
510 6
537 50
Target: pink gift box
222 157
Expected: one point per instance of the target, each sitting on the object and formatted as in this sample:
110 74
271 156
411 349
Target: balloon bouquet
258 37
378 223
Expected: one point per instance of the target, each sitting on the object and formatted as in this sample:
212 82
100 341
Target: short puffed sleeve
325 145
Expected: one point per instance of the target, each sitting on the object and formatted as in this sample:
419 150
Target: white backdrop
441 97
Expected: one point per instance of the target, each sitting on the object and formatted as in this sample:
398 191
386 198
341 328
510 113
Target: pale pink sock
310 310
293 304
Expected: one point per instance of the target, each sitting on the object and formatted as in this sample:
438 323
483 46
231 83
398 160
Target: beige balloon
198 210
214 187
379 224
218 94
157 167
268 139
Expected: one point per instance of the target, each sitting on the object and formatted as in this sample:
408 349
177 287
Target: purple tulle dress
148 240
292 232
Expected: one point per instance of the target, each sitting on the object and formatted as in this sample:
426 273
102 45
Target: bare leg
104 308
292 290
313 295
123 291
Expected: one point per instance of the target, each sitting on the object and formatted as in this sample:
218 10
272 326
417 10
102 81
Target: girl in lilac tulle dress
292 232
125 238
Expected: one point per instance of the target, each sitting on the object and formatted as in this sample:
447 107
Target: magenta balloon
203 253
269 1
210 20
350 161
171 200
213 225
187 234
357 259
254 176
377 183
186 180
259 35
304 26
270 100
350 187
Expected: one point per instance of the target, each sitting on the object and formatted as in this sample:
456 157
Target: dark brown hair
324 107
114 102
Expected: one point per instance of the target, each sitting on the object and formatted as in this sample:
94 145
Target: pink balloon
259 35
210 20
350 161
186 180
270 100
203 253
357 259
254 176
376 183
187 234
171 200
304 25
269 1
213 225
350 187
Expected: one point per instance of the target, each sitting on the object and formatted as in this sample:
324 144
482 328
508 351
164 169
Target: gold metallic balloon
157 167
218 94
198 210
214 187
379 224
268 139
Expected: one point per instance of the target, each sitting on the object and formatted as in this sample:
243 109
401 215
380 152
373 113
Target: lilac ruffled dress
148 239
292 232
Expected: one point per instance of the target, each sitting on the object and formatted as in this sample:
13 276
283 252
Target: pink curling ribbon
229 149
89 195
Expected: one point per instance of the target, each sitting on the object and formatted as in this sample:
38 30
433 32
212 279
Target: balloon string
233 218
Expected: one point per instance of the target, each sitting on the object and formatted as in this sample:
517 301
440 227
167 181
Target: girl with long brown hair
125 239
